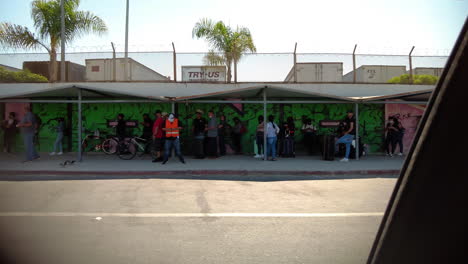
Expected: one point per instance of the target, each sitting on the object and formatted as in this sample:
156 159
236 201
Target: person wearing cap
348 134
158 135
199 126
172 129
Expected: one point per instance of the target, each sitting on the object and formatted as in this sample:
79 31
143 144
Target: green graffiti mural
95 117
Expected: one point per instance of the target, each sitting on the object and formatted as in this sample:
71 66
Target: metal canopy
190 91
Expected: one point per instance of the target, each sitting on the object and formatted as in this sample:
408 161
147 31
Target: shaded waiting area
174 95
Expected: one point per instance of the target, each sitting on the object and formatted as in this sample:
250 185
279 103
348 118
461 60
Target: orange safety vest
175 124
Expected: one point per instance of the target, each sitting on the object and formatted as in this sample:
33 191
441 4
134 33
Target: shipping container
73 72
203 73
428 71
375 73
316 72
103 70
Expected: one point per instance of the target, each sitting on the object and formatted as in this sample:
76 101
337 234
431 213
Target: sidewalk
101 164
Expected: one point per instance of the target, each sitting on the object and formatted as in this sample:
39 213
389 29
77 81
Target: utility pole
62 41
295 62
411 66
114 64
354 64
126 44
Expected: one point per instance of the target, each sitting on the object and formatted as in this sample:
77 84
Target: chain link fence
250 67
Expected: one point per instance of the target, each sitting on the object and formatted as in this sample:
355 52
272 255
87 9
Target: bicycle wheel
149 149
109 146
126 150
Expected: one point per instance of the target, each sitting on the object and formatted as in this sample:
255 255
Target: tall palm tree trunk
229 74
53 65
235 71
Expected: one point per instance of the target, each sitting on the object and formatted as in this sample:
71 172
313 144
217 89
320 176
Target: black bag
328 147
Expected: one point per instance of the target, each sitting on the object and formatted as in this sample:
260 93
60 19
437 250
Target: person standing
212 135
259 138
391 135
147 127
237 136
158 135
288 138
308 130
222 131
400 134
60 128
28 129
199 126
9 135
121 127
272 132
348 134
172 129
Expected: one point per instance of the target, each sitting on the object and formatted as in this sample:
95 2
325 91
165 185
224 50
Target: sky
377 26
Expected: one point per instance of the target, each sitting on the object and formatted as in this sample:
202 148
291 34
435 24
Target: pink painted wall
409 116
18 108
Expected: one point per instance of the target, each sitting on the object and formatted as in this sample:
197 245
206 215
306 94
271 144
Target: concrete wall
409 116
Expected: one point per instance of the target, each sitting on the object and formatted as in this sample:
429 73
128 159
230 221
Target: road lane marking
187 215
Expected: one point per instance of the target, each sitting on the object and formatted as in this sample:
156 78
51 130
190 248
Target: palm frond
18 37
214 59
86 22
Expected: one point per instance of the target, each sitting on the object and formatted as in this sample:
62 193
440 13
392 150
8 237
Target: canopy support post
265 119
80 124
357 130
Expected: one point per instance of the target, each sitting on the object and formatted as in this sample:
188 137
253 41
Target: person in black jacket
120 127
9 135
147 127
391 135
400 134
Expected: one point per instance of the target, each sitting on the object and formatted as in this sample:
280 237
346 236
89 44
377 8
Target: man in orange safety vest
172 130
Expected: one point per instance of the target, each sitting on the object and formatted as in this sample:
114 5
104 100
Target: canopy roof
164 91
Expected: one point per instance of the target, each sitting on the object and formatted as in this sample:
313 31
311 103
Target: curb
24 175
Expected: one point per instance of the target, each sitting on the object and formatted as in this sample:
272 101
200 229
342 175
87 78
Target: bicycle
109 145
128 148
92 142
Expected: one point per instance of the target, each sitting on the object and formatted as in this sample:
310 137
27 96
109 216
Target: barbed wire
163 48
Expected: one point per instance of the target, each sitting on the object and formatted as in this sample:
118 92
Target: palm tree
46 17
232 44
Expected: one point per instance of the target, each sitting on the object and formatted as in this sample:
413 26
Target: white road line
180 215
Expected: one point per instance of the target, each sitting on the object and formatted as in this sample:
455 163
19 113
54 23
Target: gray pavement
143 220
98 162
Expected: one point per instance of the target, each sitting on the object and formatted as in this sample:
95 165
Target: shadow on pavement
242 177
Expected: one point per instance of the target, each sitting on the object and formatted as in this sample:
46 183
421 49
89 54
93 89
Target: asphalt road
190 221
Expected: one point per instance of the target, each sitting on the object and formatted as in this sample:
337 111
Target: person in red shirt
158 135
